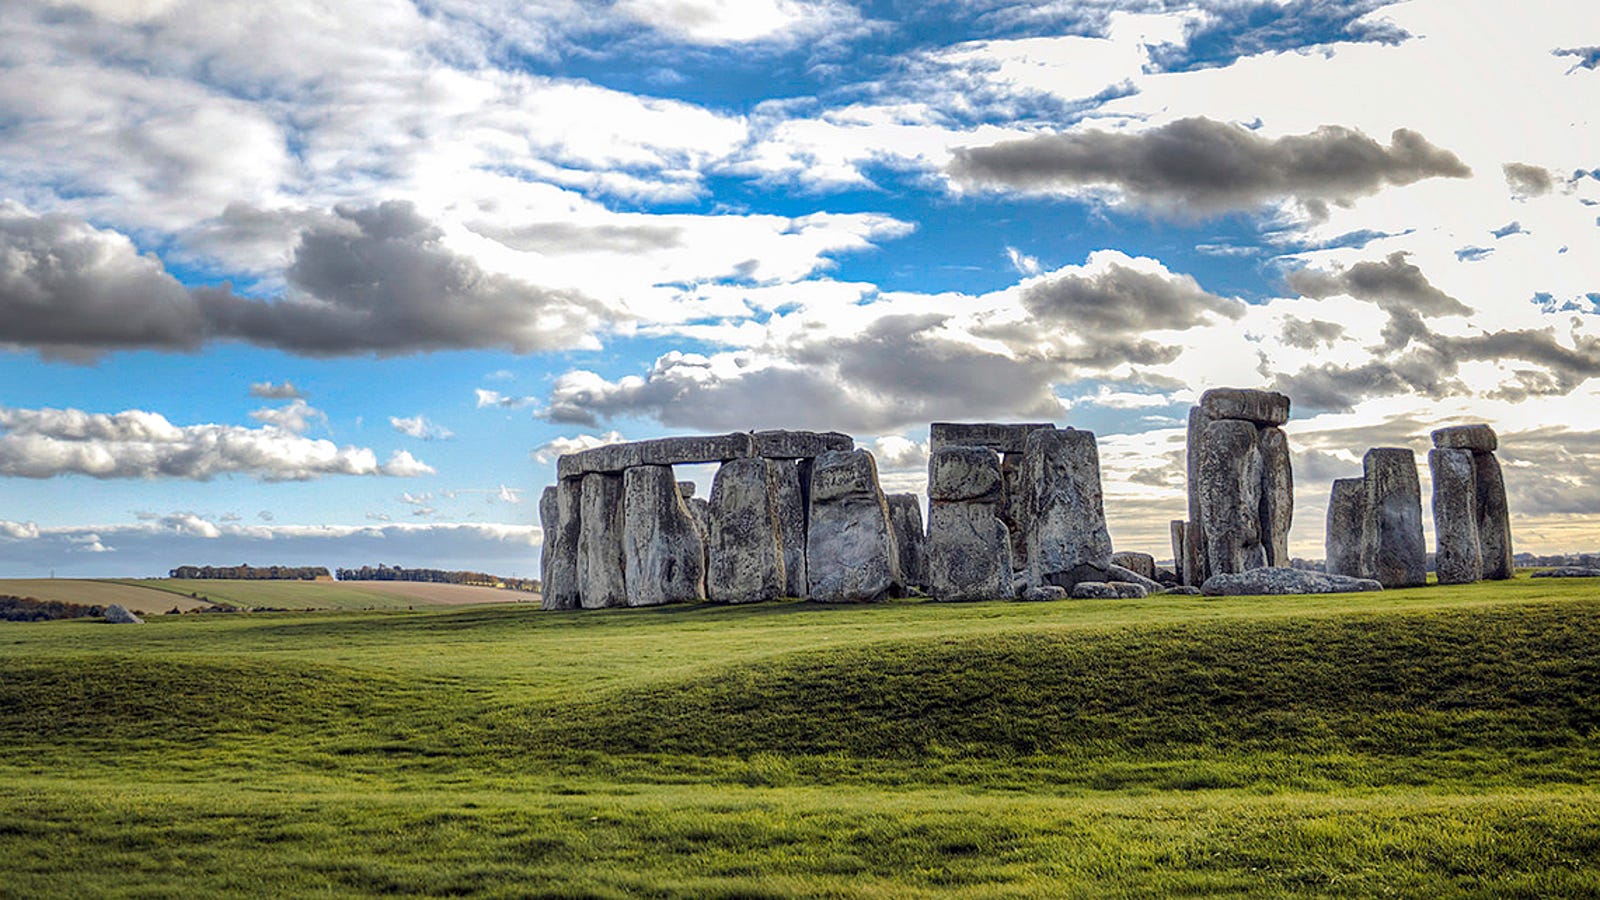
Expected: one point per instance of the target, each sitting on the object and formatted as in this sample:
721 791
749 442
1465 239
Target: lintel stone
1260 407
1478 438
1001 438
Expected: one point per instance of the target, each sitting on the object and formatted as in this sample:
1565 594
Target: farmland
1436 741
157 595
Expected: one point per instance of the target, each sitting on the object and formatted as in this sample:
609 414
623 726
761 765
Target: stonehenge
1014 511
1241 486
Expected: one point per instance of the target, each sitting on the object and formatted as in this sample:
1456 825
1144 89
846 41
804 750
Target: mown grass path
1439 741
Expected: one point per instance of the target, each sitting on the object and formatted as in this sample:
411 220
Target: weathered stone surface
1066 512
1260 407
905 517
969 552
663 555
1347 550
1123 575
799 444
1166 577
601 582
1094 590
1494 518
1394 512
791 525
1230 496
1035 593
1277 580
1277 495
850 550
997 437
1479 438
1568 572
559 580
117 614
700 511
615 458
1184 590
549 515
1127 590
1458 556
1194 556
1014 506
746 548
1142 563
1180 546
964 473
686 489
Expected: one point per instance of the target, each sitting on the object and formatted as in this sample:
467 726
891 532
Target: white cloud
419 427
486 397
44 443
18 531
550 450
741 21
295 416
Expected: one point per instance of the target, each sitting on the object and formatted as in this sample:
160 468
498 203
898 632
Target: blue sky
333 283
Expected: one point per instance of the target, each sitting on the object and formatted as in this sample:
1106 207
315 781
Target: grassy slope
1430 741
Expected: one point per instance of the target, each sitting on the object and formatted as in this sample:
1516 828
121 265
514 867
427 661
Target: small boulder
1120 575
1040 592
1127 590
117 614
1558 572
1094 590
1185 590
1143 563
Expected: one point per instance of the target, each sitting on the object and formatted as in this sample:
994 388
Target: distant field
157 595
1440 741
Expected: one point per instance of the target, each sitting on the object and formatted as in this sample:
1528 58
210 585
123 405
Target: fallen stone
746 546
1142 563
969 552
964 473
1494 518
1458 551
1345 545
1394 513
615 458
850 551
1478 438
1094 590
601 579
1230 496
1185 590
1037 593
1278 580
117 614
1001 438
1568 572
905 517
1277 495
1127 590
799 444
1121 575
1066 510
663 557
1260 407
790 504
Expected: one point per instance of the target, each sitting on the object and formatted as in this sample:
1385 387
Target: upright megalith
1180 545
1491 514
558 558
850 550
1393 526
1458 556
969 546
1346 546
1241 485
1008 440
905 517
662 552
601 582
1067 533
746 545
789 501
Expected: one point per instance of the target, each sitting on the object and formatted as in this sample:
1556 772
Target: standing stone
601 582
549 515
1014 505
1230 496
1459 552
963 474
700 512
850 550
969 552
905 516
746 546
1195 558
791 525
1277 494
559 583
686 489
1178 545
1347 551
663 556
1066 510
1494 518
1394 517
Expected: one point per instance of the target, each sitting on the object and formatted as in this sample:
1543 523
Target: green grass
1438 741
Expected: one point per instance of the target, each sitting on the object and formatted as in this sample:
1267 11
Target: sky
334 282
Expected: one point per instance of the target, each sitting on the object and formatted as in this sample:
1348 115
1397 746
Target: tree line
382 572
252 573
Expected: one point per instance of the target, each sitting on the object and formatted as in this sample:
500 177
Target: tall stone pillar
851 555
1066 509
663 555
1241 484
601 582
1394 517
746 546
1458 556
1348 552
969 546
558 570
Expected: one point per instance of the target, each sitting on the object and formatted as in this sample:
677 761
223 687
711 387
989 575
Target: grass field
1438 741
157 595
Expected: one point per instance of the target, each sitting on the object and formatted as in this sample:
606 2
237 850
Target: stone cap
671 451
1480 438
844 473
999 437
964 473
1260 407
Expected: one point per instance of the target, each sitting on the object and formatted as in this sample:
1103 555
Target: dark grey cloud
1198 166
1391 284
1528 181
266 390
1119 301
1309 334
374 279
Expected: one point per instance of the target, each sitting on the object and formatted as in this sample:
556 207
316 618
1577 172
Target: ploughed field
1438 741
150 596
